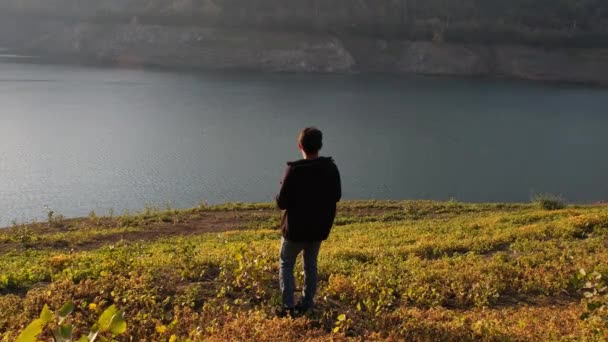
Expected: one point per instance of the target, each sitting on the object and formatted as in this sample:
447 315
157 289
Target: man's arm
284 194
338 185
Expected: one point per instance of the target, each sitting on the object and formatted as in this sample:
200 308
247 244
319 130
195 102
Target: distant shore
135 45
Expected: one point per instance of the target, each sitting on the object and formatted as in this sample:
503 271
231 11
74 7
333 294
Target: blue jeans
289 253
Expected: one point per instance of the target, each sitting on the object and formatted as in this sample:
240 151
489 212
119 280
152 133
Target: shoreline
60 220
74 61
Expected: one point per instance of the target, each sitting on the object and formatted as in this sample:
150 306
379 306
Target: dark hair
311 140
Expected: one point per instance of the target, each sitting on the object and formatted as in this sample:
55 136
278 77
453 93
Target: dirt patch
158 225
208 222
178 224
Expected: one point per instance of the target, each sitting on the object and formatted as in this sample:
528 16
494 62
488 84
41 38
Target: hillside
566 22
395 270
522 39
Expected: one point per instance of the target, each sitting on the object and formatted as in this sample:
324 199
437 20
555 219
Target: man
309 192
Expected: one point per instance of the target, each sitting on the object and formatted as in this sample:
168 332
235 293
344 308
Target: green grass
396 270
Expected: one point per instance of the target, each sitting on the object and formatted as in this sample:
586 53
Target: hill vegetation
390 271
537 22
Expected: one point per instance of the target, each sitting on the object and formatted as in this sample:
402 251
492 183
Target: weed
549 201
595 300
111 323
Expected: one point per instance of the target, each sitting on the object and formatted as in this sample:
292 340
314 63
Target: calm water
80 139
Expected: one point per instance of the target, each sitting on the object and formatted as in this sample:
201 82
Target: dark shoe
302 308
285 312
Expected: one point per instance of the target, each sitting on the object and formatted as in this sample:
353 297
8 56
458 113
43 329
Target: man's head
310 141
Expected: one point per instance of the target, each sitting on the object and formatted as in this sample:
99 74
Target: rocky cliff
136 44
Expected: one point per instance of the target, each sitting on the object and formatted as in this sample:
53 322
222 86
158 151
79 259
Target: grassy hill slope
395 270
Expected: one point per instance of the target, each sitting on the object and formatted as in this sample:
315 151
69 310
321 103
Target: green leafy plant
342 324
35 328
248 273
111 323
595 293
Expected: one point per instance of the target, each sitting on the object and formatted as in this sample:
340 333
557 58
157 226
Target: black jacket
309 193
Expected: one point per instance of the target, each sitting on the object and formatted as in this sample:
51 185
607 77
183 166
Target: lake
78 139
